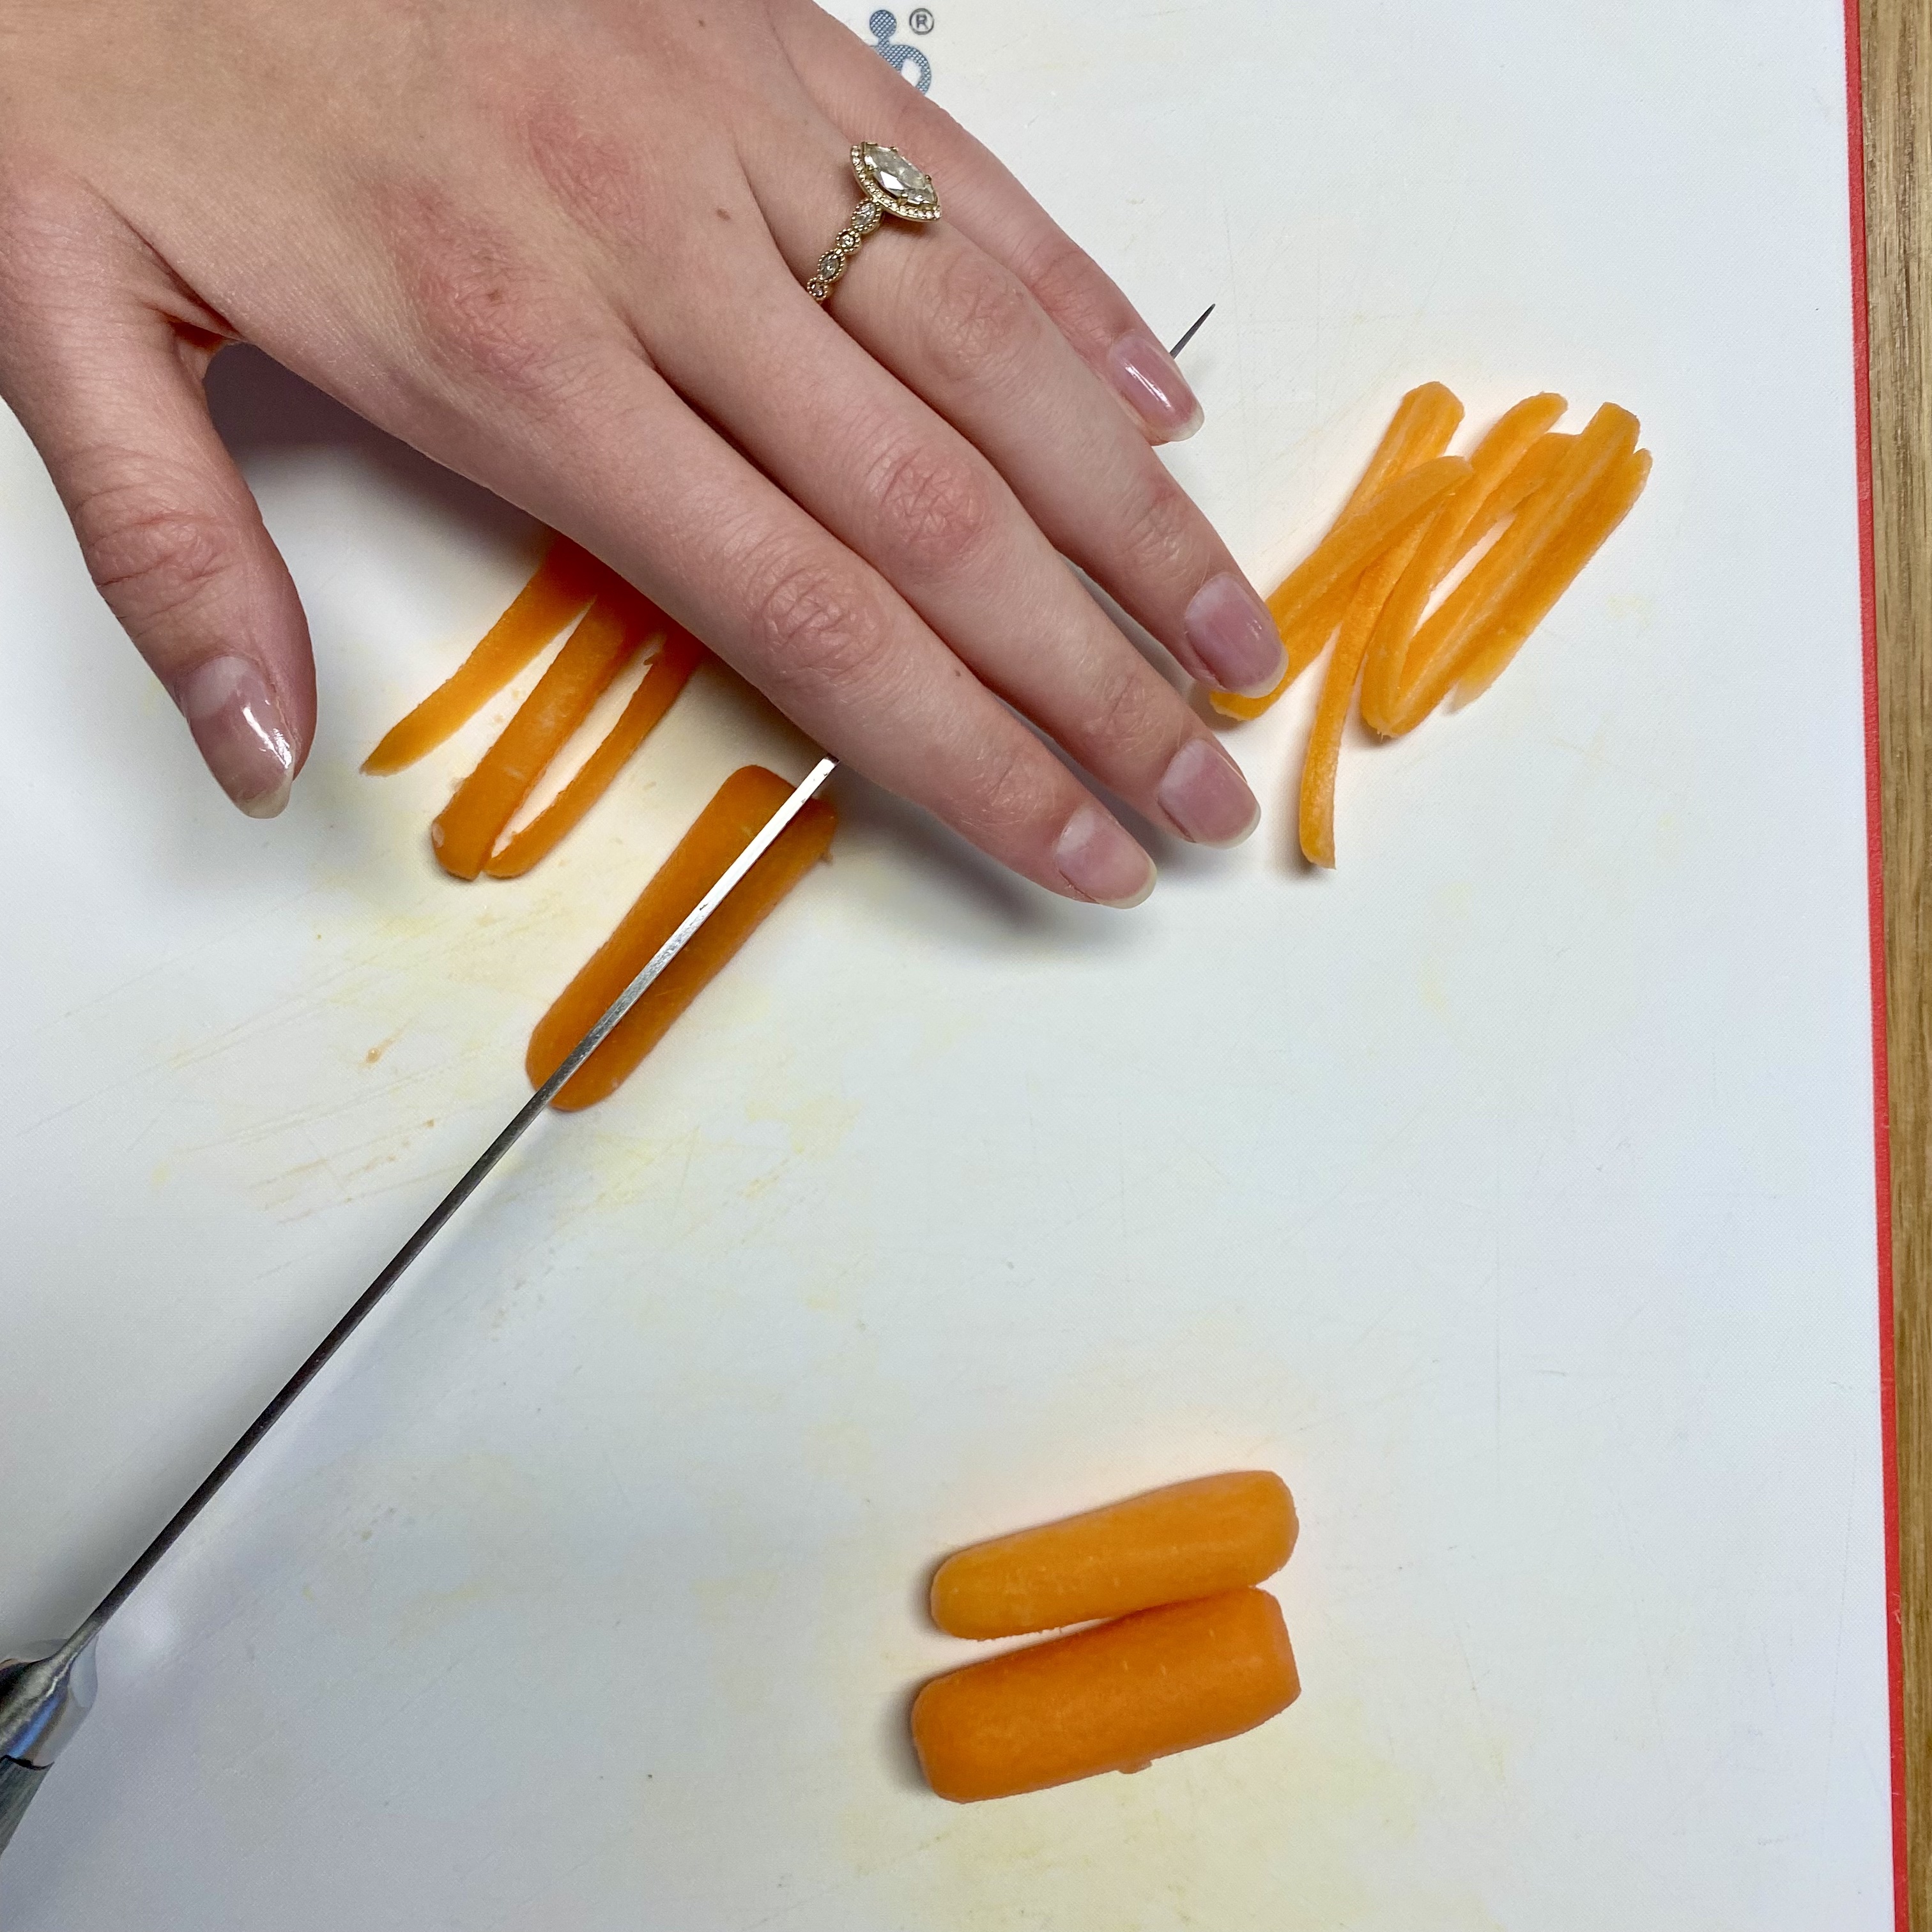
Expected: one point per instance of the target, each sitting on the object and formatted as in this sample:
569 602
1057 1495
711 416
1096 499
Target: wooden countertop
1898 62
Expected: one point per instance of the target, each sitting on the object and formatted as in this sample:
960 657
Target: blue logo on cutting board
898 54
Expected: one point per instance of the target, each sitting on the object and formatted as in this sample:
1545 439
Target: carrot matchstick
565 583
465 831
666 675
733 819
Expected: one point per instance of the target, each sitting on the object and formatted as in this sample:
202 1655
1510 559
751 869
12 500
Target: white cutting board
1511 1191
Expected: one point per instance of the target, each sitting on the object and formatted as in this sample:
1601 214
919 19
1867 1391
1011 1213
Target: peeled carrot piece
1191 1539
1539 463
565 583
1323 757
465 832
1357 540
1492 464
1424 420
669 672
723 829
1585 534
1471 610
1114 1698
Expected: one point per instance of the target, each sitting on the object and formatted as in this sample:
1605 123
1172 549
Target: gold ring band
893 186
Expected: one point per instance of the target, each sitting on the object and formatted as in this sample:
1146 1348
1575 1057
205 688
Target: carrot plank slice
1588 529
1191 1539
1492 464
1323 757
669 672
465 832
723 829
1472 608
565 583
1113 1698
1424 420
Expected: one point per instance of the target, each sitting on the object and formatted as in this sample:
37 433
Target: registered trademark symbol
919 20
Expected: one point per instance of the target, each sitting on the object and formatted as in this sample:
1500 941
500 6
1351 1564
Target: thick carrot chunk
670 671
723 829
614 629
565 583
1191 1539
1114 1698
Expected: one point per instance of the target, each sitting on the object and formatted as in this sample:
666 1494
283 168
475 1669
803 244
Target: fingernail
1229 626
239 730
1100 862
1204 793
1155 389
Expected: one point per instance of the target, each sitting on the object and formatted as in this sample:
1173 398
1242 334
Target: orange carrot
1539 463
1114 1698
1357 540
565 583
1323 757
1492 464
1585 532
723 829
465 832
1471 610
1424 420
668 673
1191 1539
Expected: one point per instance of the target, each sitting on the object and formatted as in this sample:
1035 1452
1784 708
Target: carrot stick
1539 463
1471 610
1424 420
723 829
1492 464
668 673
565 581
1324 756
1589 526
1191 1539
1113 1698
465 832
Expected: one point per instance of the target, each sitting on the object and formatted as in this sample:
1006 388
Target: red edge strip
1875 874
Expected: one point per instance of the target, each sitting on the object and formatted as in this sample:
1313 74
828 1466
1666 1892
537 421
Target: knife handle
18 1783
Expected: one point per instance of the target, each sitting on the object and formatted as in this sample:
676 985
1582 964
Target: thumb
110 389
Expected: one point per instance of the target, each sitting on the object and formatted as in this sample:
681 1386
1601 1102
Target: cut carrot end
668 673
1191 1539
564 583
742 804
1114 1698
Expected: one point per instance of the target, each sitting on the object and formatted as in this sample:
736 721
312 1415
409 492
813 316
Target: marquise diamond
898 176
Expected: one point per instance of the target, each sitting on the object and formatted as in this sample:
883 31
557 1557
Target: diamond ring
893 186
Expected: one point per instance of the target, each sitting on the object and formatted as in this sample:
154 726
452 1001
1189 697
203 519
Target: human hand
558 246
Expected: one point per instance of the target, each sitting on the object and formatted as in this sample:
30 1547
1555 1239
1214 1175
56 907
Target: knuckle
980 320
486 315
821 622
1069 285
931 509
1160 539
1121 713
151 556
